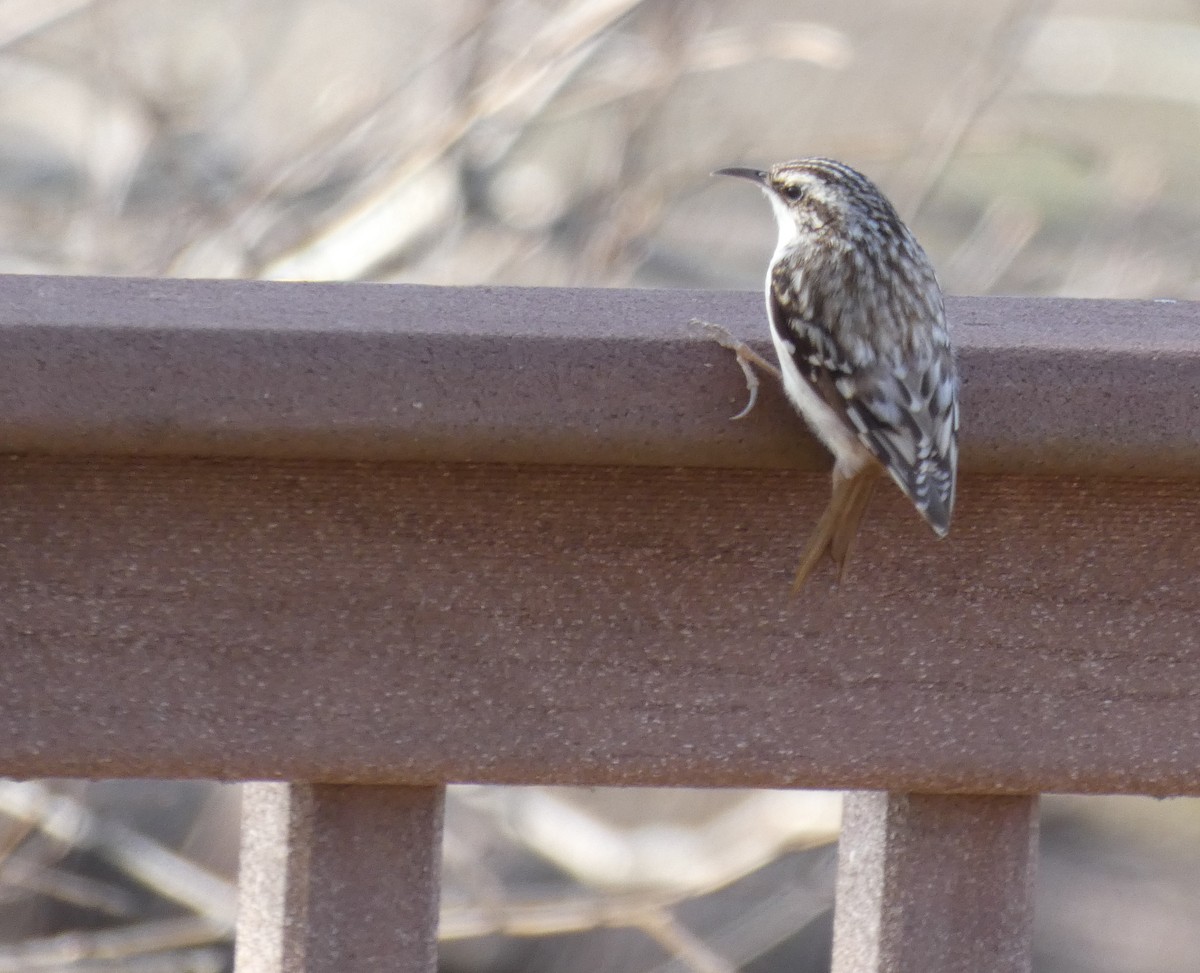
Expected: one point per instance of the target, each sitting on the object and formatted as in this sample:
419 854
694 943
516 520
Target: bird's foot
747 359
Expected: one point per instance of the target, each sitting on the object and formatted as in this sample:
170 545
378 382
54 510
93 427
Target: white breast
848 451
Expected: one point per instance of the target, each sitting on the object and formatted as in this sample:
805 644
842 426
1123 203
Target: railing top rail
618 377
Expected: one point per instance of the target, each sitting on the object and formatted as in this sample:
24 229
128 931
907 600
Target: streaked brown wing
909 421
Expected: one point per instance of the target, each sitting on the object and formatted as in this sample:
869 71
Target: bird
858 323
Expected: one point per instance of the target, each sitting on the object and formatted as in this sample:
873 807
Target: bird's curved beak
754 175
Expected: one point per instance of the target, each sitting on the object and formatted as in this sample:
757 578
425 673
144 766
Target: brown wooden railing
370 540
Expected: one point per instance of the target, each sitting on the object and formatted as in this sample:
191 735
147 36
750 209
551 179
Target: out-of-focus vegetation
1036 148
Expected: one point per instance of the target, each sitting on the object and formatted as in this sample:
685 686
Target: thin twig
110 944
687 948
532 77
154 865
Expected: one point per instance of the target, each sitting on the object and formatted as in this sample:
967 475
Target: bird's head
819 198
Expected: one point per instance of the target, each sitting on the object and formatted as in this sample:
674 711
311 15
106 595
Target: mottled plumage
857 320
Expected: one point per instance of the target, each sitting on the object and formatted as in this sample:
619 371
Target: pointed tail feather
838 526
859 489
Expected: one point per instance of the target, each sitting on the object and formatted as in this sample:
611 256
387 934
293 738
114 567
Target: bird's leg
746 357
838 526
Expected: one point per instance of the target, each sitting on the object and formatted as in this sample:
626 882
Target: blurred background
1036 147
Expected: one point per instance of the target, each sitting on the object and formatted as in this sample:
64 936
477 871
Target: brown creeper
858 324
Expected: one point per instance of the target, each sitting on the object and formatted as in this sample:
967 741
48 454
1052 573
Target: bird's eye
792 192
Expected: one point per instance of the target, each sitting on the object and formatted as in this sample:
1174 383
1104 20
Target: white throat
789 233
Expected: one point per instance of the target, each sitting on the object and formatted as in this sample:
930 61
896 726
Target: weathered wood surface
362 371
339 879
937 883
310 611
420 624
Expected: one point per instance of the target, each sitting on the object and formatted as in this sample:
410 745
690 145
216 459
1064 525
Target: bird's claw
746 357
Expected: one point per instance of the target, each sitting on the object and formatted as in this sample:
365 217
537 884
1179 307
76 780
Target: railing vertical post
936 883
339 878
